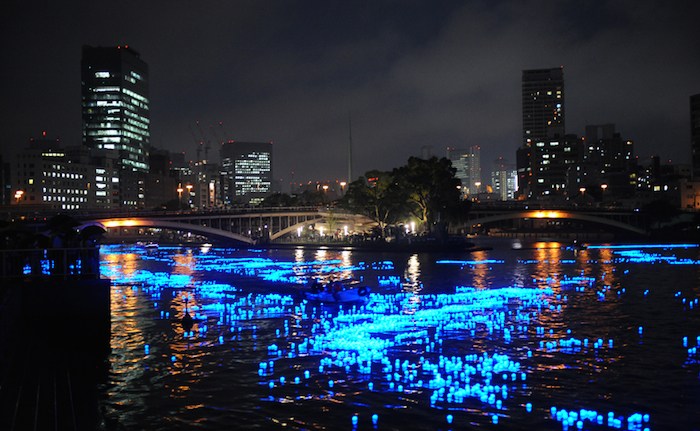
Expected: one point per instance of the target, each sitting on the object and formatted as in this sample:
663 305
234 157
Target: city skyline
411 75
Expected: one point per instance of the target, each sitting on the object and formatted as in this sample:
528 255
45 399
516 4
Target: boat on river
338 292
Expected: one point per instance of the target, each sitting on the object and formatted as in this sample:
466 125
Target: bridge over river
250 226
613 219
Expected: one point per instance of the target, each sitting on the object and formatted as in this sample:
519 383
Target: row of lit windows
62 191
136 116
106 179
103 125
251 189
63 175
140 131
139 124
134 95
105 89
138 104
52 154
104 132
105 103
63 199
96 98
135 164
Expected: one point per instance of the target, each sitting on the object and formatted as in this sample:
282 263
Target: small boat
147 245
337 292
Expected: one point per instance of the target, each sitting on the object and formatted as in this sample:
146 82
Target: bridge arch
555 214
169 224
294 227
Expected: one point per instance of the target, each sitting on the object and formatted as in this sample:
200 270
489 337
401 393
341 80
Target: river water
541 338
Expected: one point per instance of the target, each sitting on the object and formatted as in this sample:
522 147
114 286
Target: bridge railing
54 263
26 212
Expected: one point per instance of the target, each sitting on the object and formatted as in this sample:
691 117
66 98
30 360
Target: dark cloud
411 74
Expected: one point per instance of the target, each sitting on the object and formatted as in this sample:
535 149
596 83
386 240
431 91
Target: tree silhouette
432 191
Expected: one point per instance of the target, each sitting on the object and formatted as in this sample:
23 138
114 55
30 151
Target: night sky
410 74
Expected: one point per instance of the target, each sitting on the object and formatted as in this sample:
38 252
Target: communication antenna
216 135
197 142
205 141
349 148
223 130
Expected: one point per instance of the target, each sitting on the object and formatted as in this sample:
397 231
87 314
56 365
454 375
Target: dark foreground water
540 338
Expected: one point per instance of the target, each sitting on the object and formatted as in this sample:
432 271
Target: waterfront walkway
54 330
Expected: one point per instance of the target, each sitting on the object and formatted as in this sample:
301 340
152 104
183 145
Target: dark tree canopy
432 189
424 189
306 198
377 196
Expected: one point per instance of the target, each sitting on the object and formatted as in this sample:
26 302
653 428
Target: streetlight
603 187
179 196
342 186
18 195
582 190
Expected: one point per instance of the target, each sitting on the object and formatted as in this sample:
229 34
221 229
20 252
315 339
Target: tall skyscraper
543 119
504 179
695 134
543 104
115 104
246 171
468 166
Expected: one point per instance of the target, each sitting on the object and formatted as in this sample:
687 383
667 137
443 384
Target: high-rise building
606 161
552 160
246 172
115 104
543 104
504 179
543 119
695 134
467 164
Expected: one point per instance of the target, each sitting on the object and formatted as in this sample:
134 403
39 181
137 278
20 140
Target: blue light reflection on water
543 339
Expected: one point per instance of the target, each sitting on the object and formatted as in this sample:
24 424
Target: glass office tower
115 104
247 171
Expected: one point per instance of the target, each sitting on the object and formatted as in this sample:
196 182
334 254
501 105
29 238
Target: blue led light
402 341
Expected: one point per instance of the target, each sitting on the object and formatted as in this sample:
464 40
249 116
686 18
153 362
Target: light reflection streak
412 274
607 266
480 271
548 267
417 330
184 263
